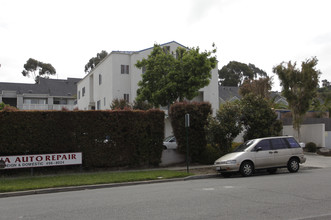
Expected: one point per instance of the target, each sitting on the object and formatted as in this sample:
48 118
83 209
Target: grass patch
42 182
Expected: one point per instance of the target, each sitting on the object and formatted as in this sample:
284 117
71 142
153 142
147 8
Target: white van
263 153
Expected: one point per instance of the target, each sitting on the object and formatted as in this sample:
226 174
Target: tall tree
235 73
325 83
299 87
167 77
261 87
44 70
94 61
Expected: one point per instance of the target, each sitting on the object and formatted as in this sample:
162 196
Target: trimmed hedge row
198 120
106 138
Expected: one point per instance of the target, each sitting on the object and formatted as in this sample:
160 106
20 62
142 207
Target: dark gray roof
53 87
228 92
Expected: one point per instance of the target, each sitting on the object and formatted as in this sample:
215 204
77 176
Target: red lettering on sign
53 157
58 157
48 158
18 160
39 158
73 156
64 157
7 160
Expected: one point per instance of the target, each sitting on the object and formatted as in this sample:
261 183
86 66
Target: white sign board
41 160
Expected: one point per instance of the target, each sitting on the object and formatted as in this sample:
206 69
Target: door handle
275 152
270 152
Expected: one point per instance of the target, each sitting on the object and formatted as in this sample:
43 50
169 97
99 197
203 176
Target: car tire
293 165
272 170
246 169
226 175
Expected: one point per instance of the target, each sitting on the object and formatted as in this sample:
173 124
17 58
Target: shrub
106 138
120 104
198 120
210 154
222 129
235 145
258 118
311 147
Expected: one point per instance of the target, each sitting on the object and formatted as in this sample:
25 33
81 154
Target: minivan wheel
246 169
293 165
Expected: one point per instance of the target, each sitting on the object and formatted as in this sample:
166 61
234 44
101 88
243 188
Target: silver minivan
267 153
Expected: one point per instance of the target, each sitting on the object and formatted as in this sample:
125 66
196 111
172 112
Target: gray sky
67 33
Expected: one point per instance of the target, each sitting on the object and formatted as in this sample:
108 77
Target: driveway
318 161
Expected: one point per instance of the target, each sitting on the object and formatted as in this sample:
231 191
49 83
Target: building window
83 91
126 97
124 69
35 101
98 105
100 79
59 101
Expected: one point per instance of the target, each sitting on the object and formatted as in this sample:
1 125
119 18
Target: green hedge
106 138
198 120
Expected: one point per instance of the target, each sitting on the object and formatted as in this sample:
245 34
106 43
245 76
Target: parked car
263 153
170 142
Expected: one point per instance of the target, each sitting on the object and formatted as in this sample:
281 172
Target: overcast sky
67 33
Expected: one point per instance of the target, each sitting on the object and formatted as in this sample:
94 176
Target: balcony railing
35 107
46 107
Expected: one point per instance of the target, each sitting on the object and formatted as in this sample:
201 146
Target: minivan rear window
293 143
278 143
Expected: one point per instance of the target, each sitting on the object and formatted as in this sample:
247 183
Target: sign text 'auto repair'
41 160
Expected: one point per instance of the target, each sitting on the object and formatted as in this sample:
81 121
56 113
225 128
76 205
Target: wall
328 139
83 101
309 133
172 157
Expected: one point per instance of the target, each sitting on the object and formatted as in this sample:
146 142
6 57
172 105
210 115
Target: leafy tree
32 66
225 127
325 83
94 61
258 118
141 105
298 87
168 78
2 106
322 103
120 104
235 73
6 107
261 87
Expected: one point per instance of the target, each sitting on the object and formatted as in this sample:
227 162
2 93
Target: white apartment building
117 77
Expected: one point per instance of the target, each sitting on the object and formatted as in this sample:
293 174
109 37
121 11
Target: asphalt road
303 195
